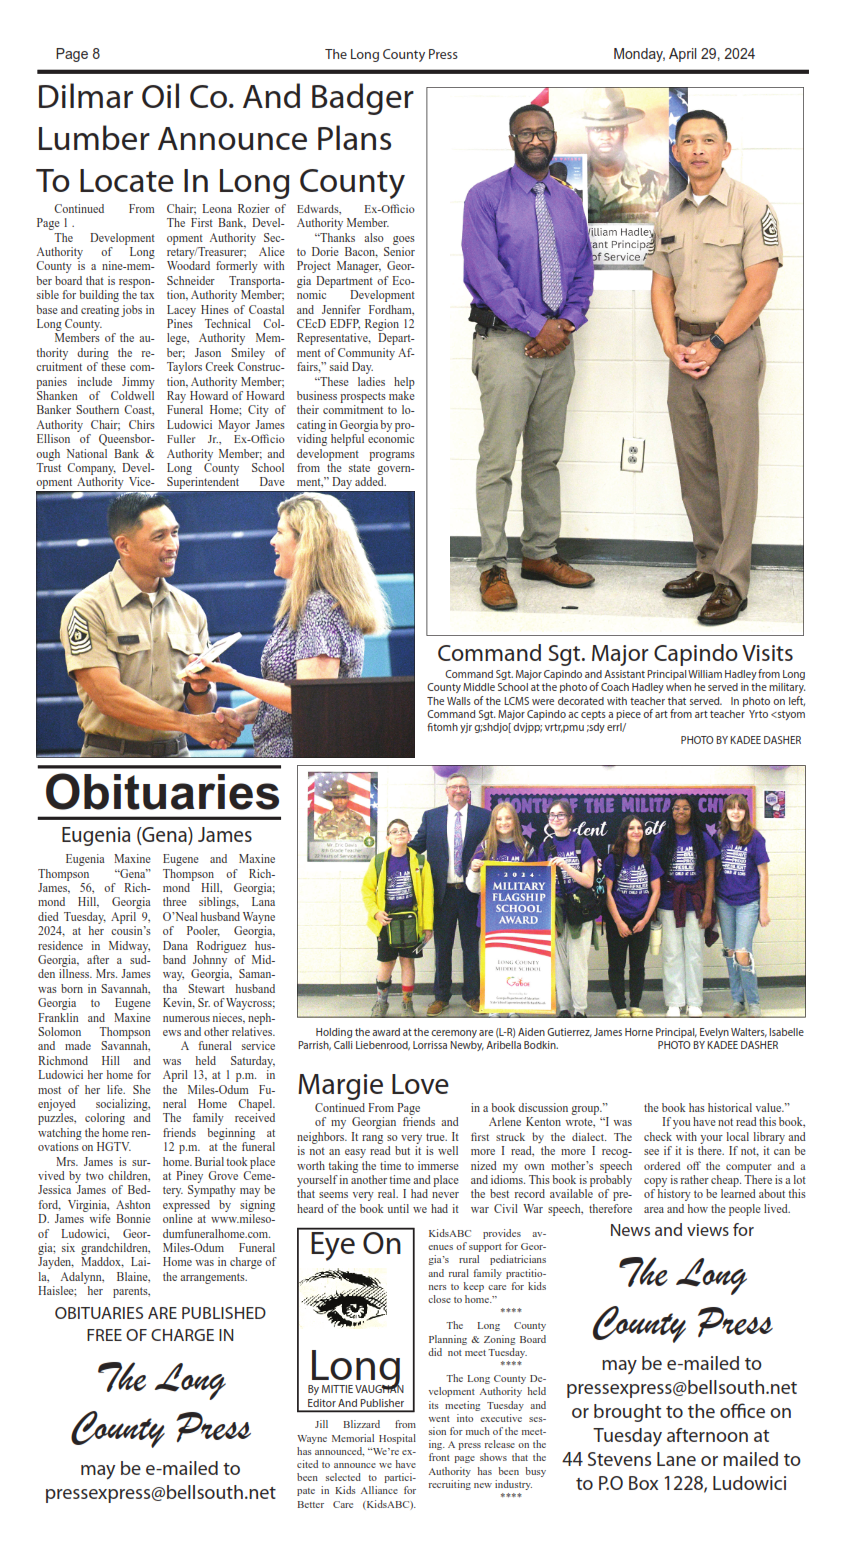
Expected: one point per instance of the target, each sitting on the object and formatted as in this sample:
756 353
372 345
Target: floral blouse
323 630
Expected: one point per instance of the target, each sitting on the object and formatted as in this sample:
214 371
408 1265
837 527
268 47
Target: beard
529 160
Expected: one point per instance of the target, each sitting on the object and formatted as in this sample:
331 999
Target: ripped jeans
738 922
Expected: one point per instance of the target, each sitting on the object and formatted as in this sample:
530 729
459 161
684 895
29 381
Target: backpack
403 929
583 904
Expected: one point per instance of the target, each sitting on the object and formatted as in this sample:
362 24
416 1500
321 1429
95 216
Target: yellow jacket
374 890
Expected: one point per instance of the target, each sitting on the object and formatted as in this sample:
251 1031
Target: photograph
624 405
563 892
290 631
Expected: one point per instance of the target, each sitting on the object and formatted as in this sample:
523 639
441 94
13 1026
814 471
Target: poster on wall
341 814
517 937
622 136
598 811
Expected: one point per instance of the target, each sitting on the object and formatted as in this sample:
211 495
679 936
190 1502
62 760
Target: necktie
457 844
550 271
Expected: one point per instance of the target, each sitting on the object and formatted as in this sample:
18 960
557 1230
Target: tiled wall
621 370
336 946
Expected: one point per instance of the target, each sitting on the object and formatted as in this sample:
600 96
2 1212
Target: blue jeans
738 922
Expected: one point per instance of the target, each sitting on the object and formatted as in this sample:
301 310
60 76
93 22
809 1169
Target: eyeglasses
525 136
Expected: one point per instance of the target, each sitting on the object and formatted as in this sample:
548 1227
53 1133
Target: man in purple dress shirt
529 269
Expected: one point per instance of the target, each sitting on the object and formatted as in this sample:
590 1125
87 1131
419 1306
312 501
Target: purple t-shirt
323 630
631 890
507 852
400 893
683 868
738 879
566 850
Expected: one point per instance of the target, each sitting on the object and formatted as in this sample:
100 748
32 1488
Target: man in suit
449 835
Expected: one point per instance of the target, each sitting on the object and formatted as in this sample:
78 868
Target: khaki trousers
521 398
715 428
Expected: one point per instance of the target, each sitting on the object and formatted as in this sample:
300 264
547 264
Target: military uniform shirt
634 194
112 623
335 825
705 249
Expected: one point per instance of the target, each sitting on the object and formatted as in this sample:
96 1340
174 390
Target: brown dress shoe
494 589
725 604
437 1007
555 571
696 585
472 1004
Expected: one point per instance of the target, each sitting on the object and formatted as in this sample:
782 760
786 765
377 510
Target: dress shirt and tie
446 836
527 256
455 845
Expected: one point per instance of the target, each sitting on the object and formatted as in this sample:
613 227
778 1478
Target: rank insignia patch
769 227
78 634
650 245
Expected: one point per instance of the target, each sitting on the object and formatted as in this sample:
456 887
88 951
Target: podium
353 717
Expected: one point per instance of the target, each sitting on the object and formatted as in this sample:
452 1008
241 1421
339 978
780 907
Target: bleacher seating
225 562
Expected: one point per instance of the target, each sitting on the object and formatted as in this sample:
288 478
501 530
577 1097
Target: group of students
685 877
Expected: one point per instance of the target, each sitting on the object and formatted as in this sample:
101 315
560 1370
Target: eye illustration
346 1300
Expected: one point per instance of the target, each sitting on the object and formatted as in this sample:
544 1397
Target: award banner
517 937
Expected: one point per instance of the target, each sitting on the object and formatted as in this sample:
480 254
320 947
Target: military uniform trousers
521 398
715 427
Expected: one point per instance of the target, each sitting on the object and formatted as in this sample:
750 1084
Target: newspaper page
418 1108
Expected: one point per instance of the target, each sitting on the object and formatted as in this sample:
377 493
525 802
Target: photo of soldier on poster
341 815
624 135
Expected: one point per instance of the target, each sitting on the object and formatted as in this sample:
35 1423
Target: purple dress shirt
502 259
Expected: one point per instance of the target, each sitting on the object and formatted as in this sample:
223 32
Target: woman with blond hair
330 602
503 841
742 896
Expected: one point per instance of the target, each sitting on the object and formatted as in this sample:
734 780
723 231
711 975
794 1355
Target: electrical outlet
631 460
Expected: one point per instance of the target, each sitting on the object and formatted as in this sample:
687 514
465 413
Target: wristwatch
717 342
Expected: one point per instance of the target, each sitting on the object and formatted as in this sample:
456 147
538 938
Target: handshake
218 730
222 727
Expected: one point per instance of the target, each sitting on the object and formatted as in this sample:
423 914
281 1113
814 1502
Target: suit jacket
432 839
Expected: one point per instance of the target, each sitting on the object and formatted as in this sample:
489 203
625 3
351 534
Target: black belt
454 885
487 321
161 749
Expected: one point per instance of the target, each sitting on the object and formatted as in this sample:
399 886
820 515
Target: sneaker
673 1010
563 1015
737 1008
753 1010
636 1011
581 1014
407 1007
380 1006
694 1010
621 1011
